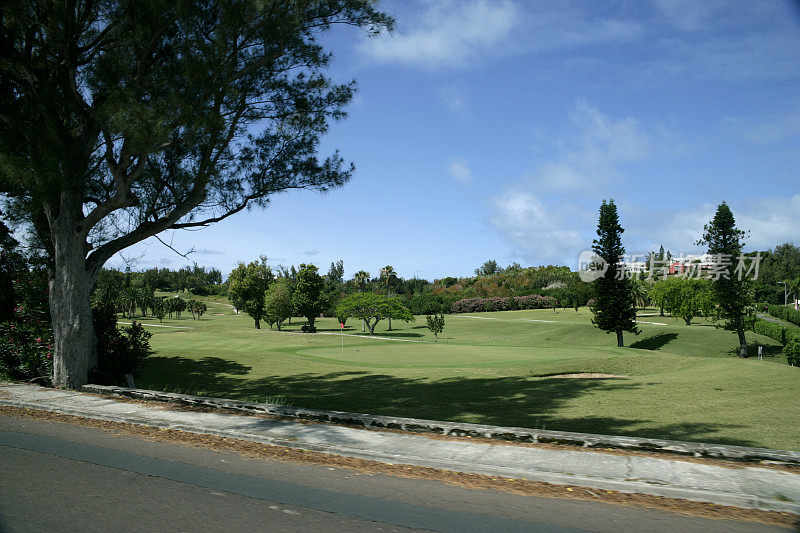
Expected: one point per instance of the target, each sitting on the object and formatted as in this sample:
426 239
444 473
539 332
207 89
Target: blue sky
491 129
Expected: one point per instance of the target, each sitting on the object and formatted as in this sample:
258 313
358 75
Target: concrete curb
514 434
749 487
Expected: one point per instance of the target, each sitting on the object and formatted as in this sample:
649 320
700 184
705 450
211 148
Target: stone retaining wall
514 434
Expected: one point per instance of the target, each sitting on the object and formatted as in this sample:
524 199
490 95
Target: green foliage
26 337
427 303
770 329
733 295
158 309
119 352
308 297
372 308
785 313
685 298
174 306
780 265
489 268
792 352
614 309
278 303
435 324
196 308
127 119
247 285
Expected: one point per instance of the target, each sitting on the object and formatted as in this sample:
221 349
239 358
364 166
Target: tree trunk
688 321
619 339
372 327
661 311
258 323
742 344
390 323
70 286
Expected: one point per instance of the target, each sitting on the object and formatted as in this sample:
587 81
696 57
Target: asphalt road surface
60 477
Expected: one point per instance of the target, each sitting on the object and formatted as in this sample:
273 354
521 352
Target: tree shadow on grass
768 350
395 333
505 401
207 374
655 342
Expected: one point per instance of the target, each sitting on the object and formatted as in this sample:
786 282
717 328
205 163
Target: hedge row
785 313
782 334
478 305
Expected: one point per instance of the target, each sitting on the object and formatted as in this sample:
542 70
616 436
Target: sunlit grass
681 382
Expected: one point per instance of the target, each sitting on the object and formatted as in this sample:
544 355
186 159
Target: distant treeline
559 284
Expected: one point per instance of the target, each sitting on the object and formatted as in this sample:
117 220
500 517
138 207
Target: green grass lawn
681 382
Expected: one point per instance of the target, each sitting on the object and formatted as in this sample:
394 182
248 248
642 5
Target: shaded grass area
683 382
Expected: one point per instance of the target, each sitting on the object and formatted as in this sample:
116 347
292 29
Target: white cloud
772 130
457 33
448 33
454 98
543 234
690 15
600 144
770 222
564 29
459 170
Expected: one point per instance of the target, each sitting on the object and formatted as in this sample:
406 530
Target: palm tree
639 291
386 274
361 277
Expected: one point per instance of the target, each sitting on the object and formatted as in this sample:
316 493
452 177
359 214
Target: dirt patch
473 481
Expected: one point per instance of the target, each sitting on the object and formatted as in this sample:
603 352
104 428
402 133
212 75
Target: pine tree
614 310
733 295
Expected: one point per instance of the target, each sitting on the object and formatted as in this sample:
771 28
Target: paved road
59 477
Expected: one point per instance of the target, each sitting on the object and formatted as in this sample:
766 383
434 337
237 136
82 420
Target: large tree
122 119
278 303
371 308
685 298
308 296
247 285
614 309
732 292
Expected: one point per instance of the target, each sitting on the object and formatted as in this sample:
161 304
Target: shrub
792 352
119 352
769 329
425 303
790 334
495 303
26 339
785 313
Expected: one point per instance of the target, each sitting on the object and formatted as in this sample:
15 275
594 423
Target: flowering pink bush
26 339
477 305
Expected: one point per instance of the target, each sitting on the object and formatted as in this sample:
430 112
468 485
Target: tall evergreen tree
614 310
725 242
